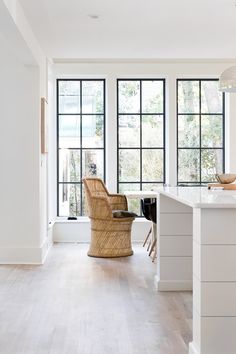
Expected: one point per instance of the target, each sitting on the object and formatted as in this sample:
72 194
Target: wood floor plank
75 304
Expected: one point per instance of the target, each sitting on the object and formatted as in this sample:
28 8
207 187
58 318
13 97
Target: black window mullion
177 128
81 147
200 129
118 138
223 128
57 146
140 132
141 143
104 131
164 131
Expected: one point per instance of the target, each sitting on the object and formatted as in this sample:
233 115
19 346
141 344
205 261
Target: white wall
79 231
23 235
19 143
28 202
170 70
52 163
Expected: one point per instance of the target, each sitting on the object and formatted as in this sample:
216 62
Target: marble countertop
140 194
201 197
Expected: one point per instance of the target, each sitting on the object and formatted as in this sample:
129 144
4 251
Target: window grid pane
200 131
80 140
141 134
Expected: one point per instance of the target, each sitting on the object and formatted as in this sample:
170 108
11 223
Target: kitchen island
197 251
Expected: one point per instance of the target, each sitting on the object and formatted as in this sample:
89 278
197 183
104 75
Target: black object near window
149 209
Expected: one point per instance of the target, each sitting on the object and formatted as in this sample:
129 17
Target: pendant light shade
228 80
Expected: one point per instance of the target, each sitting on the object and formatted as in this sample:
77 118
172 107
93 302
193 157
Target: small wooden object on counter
226 186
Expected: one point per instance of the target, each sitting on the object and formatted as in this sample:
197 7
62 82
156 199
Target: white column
214 281
111 135
174 245
171 162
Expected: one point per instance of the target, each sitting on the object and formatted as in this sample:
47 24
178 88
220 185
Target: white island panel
207 298
214 261
214 231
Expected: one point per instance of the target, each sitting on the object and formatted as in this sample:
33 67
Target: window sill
63 220
85 219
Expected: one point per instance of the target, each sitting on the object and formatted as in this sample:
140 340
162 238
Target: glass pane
69 96
188 165
69 199
212 162
92 163
211 97
92 97
129 96
152 96
212 131
124 187
152 131
151 186
92 131
188 131
188 97
129 162
133 204
69 165
129 131
69 131
152 165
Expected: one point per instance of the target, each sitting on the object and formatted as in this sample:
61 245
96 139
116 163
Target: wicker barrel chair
110 221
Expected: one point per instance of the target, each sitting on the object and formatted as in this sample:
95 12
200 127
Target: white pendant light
228 80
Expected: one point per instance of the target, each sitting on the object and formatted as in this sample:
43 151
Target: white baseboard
45 249
193 349
169 285
25 255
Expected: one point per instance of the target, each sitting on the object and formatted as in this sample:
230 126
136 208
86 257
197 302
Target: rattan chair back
110 237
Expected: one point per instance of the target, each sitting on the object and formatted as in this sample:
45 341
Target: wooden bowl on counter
226 178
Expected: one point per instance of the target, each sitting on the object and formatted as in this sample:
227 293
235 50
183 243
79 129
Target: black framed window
200 131
80 140
141 135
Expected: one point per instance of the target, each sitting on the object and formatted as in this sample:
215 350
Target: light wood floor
74 304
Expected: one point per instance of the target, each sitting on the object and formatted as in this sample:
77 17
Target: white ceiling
141 29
